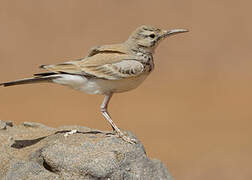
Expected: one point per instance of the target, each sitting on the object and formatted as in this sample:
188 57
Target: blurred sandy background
193 112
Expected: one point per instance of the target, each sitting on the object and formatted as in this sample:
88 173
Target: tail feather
28 81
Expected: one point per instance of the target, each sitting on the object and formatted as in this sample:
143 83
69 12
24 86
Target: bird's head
148 37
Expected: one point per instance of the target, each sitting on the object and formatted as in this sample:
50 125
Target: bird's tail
35 79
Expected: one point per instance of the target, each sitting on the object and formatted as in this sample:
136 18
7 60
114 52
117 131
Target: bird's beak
173 32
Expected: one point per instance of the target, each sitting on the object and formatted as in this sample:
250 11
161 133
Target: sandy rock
38 152
2 125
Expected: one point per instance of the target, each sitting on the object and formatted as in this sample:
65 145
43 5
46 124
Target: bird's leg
105 113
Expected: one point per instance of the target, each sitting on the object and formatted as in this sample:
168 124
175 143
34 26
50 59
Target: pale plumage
111 66
107 69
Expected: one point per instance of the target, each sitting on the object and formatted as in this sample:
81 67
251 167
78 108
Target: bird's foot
70 132
125 137
128 139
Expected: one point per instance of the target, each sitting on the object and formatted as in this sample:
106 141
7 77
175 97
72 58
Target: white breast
99 86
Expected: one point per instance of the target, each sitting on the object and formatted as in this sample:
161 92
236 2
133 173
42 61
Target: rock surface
33 151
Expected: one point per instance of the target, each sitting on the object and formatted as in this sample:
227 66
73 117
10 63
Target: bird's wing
112 66
119 70
114 48
70 67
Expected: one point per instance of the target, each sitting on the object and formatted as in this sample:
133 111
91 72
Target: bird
107 69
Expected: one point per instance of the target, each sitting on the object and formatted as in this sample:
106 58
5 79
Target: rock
28 170
45 153
34 125
2 125
9 123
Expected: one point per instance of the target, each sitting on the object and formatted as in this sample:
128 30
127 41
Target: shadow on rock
86 154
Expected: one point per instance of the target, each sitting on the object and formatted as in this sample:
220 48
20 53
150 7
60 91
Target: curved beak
173 32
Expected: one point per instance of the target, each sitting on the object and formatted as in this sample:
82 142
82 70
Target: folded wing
105 65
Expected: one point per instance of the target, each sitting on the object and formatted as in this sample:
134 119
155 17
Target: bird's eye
152 35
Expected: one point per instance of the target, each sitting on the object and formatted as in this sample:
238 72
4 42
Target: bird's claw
128 139
124 137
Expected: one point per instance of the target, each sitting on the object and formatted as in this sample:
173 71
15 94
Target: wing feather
119 70
108 62
106 66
